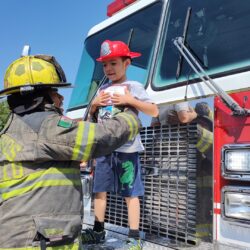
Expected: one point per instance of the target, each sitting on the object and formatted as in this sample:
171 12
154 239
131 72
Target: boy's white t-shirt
137 90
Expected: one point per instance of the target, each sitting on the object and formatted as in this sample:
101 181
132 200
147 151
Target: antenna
26 50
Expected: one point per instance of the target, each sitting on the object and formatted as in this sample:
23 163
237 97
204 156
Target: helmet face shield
33 72
110 49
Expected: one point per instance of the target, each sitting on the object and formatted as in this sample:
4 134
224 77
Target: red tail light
117 5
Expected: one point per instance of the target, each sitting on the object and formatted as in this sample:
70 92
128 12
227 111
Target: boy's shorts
120 173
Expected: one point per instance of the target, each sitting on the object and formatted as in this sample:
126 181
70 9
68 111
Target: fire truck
196 174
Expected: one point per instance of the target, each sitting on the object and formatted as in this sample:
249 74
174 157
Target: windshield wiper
184 35
212 85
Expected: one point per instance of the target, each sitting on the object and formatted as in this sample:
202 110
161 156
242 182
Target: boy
110 169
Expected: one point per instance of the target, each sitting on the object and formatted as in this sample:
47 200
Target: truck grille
168 208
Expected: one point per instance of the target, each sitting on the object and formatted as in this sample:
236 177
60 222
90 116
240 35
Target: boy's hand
122 100
101 99
83 165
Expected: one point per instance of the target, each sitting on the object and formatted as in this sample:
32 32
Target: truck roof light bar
117 5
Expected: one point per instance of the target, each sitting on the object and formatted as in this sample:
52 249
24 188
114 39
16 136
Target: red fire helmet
111 49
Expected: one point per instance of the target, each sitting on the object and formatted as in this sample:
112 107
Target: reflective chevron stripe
84 141
46 178
133 127
205 141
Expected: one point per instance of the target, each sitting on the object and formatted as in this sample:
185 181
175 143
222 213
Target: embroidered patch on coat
65 122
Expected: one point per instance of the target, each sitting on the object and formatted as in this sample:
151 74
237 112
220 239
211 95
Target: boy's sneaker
134 244
92 237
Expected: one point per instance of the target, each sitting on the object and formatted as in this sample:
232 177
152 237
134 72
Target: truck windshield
218 34
90 73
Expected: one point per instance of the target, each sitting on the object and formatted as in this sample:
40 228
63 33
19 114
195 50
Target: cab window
218 36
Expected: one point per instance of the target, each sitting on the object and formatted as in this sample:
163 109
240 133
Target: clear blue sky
55 27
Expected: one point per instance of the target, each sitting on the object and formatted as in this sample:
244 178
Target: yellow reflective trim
74 246
207 136
135 124
39 184
203 230
5 174
38 174
204 148
199 143
17 170
10 147
15 148
90 142
125 116
201 234
205 141
78 141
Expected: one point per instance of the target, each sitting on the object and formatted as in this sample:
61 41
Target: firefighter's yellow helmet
32 72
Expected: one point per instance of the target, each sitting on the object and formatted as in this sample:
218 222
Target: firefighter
40 153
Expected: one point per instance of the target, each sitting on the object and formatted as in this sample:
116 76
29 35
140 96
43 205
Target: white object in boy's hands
115 89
